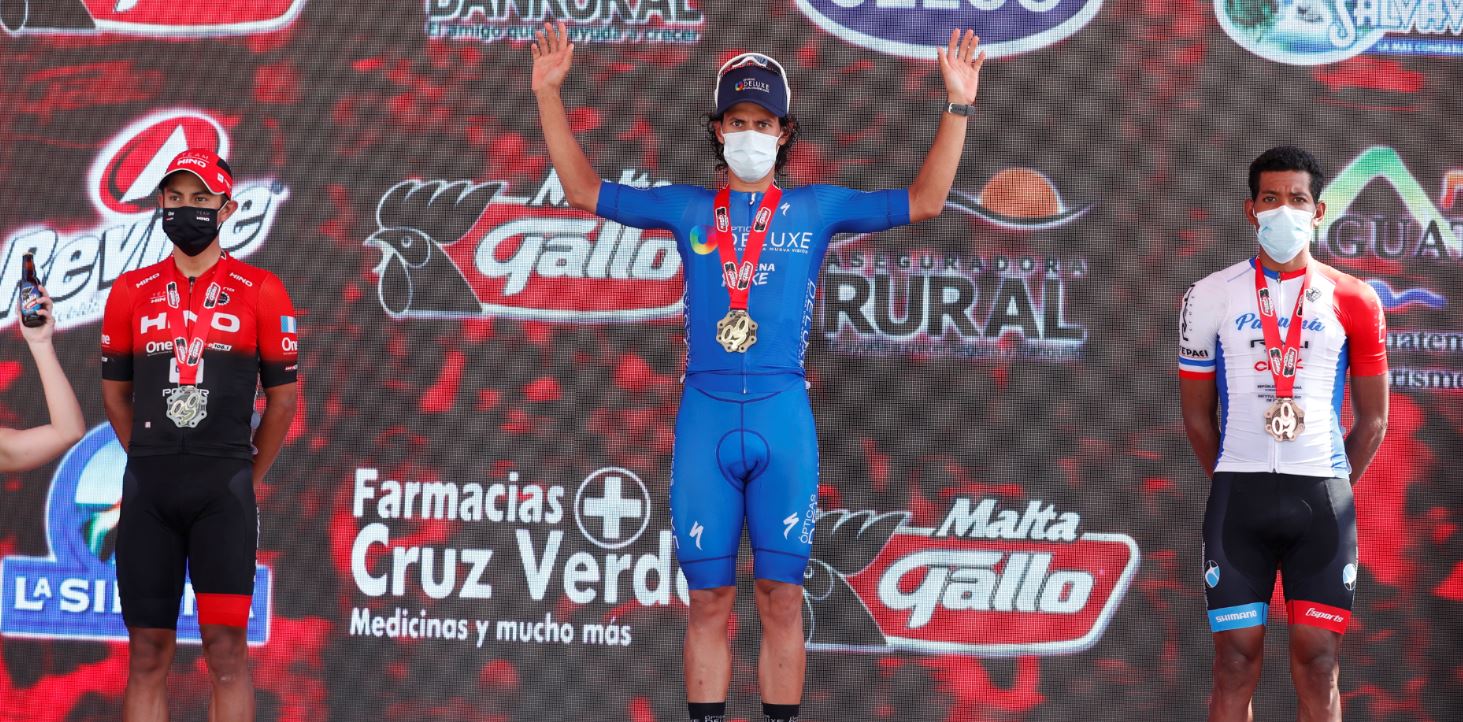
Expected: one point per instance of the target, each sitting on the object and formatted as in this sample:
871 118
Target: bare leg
1237 657
149 655
1314 669
707 650
780 667
226 650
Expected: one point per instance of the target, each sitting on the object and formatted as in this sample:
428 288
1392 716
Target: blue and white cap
752 78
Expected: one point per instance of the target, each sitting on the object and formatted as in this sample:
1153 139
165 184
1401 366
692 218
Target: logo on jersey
459 249
916 29
1211 574
1315 32
981 302
989 580
147 17
73 592
79 266
589 21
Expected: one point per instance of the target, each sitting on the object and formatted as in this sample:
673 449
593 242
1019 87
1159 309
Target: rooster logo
416 219
846 542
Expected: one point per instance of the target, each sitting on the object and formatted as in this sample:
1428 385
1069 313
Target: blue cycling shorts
746 451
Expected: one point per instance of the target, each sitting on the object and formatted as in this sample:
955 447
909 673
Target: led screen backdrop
469 518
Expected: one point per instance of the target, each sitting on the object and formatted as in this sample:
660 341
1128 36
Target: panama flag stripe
1245 615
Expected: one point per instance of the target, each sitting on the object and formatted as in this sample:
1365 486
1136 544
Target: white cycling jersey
1220 338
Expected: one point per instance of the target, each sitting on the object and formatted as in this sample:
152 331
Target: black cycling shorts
1305 526
186 513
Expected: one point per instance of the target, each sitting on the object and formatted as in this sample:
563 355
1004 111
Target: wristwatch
959 109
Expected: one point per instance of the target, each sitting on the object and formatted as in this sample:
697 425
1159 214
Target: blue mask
1284 232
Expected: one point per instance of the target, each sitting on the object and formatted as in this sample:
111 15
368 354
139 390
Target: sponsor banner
1384 226
459 249
917 28
1006 298
1314 32
146 17
79 265
73 593
989 580
588 21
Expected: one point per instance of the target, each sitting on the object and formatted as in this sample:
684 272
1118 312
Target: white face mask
750 154
1284 232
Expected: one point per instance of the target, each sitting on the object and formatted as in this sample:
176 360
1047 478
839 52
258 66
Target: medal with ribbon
187 403
1284 419
736 332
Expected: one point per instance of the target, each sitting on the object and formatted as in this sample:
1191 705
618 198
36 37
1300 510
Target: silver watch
959 109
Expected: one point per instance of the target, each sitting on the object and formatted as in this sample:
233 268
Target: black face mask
191 229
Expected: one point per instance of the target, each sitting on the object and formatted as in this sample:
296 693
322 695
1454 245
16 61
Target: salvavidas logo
79 265
1312 32
916 28
989 581
73 592
147 17
459 249
605 21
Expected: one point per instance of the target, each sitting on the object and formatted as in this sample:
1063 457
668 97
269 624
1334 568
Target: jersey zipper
751 214
1279 304
183 433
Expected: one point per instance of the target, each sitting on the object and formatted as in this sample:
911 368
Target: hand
552 56
960 66
40 334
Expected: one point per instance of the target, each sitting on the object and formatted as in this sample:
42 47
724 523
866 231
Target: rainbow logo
700 243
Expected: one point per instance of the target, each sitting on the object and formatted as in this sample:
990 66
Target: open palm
553 54
960 66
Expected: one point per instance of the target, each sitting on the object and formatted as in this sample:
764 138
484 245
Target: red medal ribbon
1283 358
189 342
737 275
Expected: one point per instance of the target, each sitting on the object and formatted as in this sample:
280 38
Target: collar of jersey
1286 276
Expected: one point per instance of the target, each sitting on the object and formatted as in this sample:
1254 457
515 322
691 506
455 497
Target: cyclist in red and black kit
186 343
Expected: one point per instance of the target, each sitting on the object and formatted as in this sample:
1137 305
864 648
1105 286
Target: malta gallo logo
73 593
988 581
459 249
916 29
79 265
146 17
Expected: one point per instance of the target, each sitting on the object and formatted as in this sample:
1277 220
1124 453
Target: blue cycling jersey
787 278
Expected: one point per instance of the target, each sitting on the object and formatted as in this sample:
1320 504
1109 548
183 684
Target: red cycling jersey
251 342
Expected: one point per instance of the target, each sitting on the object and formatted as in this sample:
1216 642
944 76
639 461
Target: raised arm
553 54
23 450
960 68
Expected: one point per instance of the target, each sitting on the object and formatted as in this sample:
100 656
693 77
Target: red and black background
1112 162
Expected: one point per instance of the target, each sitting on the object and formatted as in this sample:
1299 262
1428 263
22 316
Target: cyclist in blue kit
746 451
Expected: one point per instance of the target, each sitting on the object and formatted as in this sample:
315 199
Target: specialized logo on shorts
79 266
1314 32
460 249
612 508
988 581
147 17
696 531
915 29
1211 574
790 522
1348 577
73 592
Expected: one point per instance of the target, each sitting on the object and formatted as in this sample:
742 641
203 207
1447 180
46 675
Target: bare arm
117 399
23 450
553 54
279 411
960 68
1369 401
1199 399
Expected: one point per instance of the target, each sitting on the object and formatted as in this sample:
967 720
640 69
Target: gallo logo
1381 220
605 21
965 305
916 28
147 17
987 581
456 249
78 266
1313 32
73 593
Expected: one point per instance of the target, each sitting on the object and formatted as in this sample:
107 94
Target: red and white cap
211 169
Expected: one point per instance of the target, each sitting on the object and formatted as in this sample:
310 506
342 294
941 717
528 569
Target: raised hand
553 54
959 66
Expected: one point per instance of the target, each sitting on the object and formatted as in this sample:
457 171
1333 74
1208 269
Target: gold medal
187 405
1285 420
736 332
